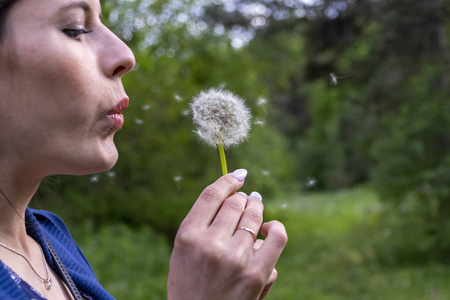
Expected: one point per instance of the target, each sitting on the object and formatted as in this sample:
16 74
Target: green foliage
412 158
386 119
130 263
334 149
414 149
349 245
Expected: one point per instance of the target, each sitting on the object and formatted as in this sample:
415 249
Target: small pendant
48 283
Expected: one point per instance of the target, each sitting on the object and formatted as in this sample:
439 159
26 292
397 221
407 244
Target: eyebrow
78 4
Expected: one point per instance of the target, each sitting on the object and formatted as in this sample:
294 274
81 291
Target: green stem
223 159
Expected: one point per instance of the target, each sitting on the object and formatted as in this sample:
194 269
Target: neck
16 193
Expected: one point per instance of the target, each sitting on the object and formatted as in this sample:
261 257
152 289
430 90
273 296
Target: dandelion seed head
220 116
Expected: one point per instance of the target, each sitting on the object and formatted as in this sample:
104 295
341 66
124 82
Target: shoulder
42 222
50 220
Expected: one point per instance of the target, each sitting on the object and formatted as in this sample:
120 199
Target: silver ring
249 230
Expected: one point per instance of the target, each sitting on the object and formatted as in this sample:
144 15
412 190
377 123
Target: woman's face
61 94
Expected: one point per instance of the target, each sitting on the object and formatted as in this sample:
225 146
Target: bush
412 157
129 263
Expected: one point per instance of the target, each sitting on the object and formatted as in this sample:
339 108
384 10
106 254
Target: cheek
53 73
58 85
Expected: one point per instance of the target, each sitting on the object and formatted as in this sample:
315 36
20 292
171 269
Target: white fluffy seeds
220 117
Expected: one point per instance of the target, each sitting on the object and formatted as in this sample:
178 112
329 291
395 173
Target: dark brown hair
5 7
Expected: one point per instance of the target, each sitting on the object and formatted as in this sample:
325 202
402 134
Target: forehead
45 9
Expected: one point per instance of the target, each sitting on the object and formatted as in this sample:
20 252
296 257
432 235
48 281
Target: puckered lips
115 113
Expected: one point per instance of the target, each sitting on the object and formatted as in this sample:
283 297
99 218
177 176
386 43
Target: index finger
210 200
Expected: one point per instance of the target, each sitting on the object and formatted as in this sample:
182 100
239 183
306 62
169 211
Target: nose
117 58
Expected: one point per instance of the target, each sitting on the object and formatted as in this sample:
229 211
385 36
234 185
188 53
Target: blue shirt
27 289
38 223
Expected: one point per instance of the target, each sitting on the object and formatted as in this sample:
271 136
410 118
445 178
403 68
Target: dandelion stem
223 159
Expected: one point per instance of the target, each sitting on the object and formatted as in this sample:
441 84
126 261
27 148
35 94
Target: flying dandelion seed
310 182
259 122
139 121
283 206
94 178
185 112
261 101
334 79
146 107
266 173
177 98
177 179
111 174
222 86
222 120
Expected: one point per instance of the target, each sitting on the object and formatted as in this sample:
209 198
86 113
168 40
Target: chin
103 167
105 163
95 163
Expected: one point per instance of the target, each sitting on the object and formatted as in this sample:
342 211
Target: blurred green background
349 146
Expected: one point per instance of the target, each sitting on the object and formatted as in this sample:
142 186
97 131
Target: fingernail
240 174
243 194
256 195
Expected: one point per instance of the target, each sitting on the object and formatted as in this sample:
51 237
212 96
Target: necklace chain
47 281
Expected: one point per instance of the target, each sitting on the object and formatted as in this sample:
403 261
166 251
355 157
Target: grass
335 242
341 246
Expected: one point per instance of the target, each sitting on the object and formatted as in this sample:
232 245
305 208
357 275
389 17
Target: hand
213 260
